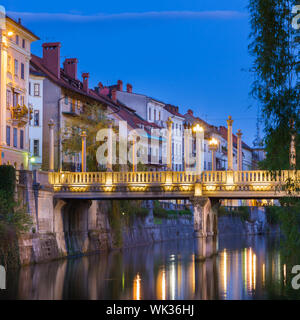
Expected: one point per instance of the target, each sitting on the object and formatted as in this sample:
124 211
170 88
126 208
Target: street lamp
83 151
198 130
213 147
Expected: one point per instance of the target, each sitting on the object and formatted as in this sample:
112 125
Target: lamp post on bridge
187 135
229 144
51 145
199 138
169 144
213 147
83 151
239 151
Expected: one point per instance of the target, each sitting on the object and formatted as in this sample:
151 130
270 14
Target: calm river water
246 268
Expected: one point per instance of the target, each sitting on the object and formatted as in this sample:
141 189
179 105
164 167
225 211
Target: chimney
85 80
190 112
120 85
114 95
100 85
51 57
19 21
129 88
70 67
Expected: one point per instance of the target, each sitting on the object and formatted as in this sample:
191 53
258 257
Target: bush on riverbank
160 212
13 218
235 212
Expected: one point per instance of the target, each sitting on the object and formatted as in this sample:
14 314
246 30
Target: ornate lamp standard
83 151
213 147
199 131
169 144
229 144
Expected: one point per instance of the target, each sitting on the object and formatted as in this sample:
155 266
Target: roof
173 110
21 26
67 82
224 132
199 120
135 121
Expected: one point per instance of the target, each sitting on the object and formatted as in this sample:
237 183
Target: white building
177 136
35 102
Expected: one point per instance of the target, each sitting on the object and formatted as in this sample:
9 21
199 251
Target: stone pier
205 227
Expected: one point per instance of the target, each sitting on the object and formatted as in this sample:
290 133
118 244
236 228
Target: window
36 89
15 99
15 137
154 115
21 139
209 166
22 100
204 165
29 88
8 135
17 39
66 100
16 67
36 147
149 113
36 122
8 98
24 44
22 71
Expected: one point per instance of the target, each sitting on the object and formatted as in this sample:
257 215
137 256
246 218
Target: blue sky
190 53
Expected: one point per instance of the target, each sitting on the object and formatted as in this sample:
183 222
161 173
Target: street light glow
213 142
197 128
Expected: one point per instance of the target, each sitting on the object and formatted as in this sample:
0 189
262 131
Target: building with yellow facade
15 53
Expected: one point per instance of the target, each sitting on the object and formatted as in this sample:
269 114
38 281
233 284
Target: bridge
172 185
203 191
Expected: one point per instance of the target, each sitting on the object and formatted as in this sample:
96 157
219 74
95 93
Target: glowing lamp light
213 142
10 33
197 128
32 160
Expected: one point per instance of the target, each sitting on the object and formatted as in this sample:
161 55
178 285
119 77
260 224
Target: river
245 268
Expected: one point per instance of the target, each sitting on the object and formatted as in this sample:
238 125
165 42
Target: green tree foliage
91 120
274 48
13 217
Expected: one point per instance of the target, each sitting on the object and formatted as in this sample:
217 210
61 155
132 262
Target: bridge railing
161 177
260 176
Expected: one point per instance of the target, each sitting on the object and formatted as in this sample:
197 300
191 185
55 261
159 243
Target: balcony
20 115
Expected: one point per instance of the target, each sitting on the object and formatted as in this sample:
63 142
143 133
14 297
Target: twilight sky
190 53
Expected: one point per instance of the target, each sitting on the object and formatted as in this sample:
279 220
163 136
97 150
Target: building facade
35 103
15 53
64 97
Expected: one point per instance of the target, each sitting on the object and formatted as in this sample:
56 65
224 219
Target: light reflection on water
163 271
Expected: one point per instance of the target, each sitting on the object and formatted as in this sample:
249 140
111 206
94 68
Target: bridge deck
172 185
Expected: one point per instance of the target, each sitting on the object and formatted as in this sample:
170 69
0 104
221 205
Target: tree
14 220
91 120
276 70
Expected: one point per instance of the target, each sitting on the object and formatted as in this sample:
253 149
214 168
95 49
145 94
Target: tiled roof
68 83
173 110
21 26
